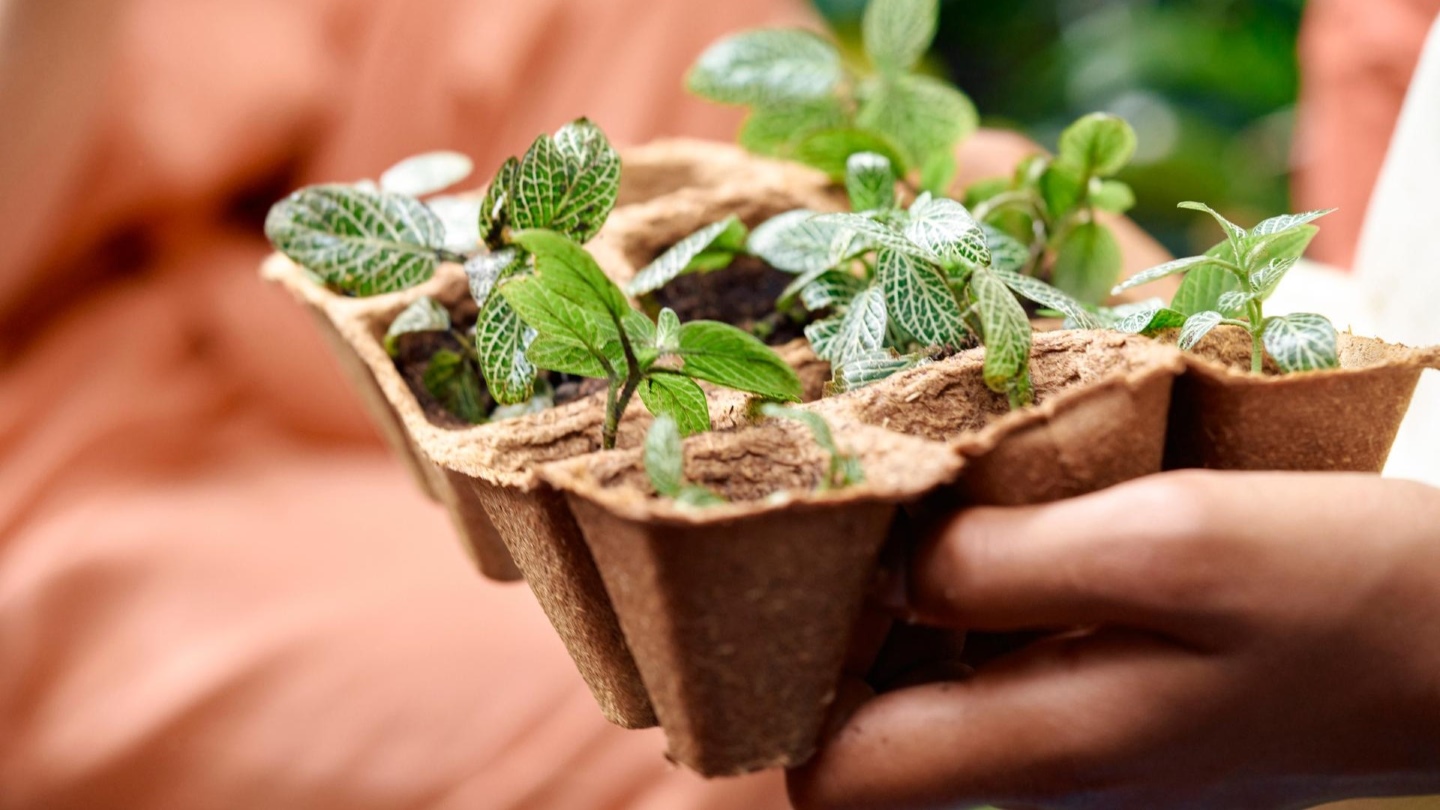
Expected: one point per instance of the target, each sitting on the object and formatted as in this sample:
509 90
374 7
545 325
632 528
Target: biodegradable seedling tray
1226 418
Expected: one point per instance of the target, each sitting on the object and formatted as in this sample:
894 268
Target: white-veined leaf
1285 222
426 174
1047 296
1270 276
796 241
822 335
870 181
829 290
1006 332
1233 233
678 397
897 33
767 67
1197 326
360 242
1235 300
861 328
918 297
667 331
567 183
1145 317
1303 341
1160 271
680 257
1260 251
493 218
871 367
881 234
485 270
542 400
501 339
424 314
944 228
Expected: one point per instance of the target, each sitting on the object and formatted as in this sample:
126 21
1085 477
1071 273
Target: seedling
895 284
1045 214
1229 285
583 325
665 464
808 105
844 469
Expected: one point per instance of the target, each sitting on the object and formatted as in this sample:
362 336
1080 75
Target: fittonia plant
1229 285
582 324
1048 207
894 283
807 104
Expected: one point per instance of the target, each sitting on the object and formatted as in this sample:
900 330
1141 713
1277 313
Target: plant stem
1257 346
612 416
451 256
617 398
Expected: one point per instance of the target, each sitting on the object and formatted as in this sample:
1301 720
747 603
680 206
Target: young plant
452 374
1229 285
895 283
711 248
844 469
665 464
1047 209
807 105
582 324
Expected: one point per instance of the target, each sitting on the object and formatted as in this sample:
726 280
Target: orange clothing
216 590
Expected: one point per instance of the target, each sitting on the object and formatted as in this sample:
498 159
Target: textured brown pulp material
739 615
1346 419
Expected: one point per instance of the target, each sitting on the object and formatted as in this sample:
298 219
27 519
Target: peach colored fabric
1358 58
216 591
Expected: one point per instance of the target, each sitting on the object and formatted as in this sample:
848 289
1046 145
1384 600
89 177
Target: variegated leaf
424 314
796 242
1234 300
830 289
1285 222
898 32
359 242
426 174
919 299
1051 297
1270 276
767 67
1006 252
1234 233
542 400
1303 341
485 270
1260 251
1145 317
870 181
869 368
881 234
1006 333
680 257
1160 271
493 219
593 171
822 335
1202 287
501 340
1197 326
667 331
861 328
946 229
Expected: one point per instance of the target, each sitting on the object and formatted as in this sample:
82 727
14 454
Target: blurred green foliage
1209 85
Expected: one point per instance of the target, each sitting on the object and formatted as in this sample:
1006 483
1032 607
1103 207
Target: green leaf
1285 222
730 357
1202 289
1006 252
829 290
493 220
664 456
1061 186
870 181
1048 296
945 229
884 235
558 316
829 150
359 242
1233 233
698 497
1269 276
767 67
1087 263
1098 145
861 329
1197 326
777 129
424 314
1006 333
920 114
1160 271
1303 341
1261 251
501 340
1111 195
678 397
938 172
485 270
795 242
897 33
870 367
565 356
667 331
426 174
681 257
919 299
1145 317
451 380
542 400
567 183
565 267
1235 300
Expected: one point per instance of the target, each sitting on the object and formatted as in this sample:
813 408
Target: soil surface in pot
415 351
741 295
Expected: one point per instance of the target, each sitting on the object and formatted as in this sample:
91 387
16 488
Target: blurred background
1212 129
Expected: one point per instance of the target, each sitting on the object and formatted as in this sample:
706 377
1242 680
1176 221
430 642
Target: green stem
451 256
1257 346
612 416
617 401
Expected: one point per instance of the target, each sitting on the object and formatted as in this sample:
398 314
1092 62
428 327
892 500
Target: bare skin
1250 640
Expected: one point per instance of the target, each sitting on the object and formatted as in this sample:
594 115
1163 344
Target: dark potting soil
742 295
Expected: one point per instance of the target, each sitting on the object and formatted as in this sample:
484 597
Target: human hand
1251 640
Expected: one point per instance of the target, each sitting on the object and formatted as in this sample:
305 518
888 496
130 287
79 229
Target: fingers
1053 721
